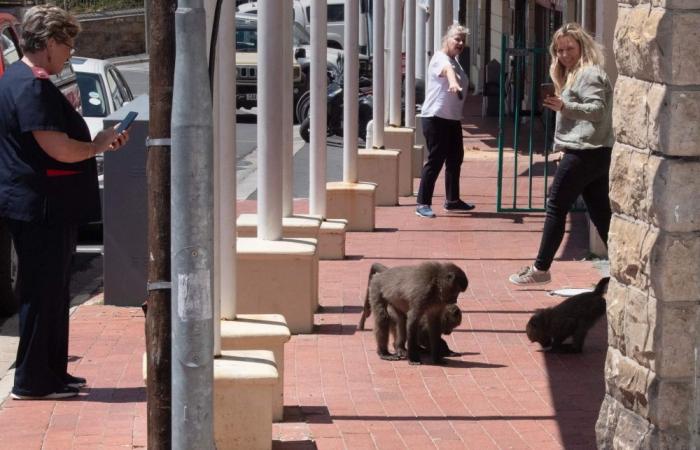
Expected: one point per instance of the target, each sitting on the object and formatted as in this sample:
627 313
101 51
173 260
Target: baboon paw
414 363
390 357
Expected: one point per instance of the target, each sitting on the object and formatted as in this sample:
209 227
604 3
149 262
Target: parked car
103 90
246 61
335 20
247 64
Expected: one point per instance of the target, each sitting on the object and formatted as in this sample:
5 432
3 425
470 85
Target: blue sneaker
425 211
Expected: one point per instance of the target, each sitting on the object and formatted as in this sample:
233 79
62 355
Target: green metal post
501 96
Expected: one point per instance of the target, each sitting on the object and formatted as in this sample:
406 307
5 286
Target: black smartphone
546 90
124 124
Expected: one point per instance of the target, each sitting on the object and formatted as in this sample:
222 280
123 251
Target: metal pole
271 56
319 110
378 75
350 90
421 24
395 20
161 22
287 100
192 232
410 111
226 168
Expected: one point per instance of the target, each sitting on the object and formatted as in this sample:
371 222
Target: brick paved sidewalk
502 392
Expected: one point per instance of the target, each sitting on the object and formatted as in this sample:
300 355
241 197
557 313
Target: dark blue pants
43 275
580 172
443 138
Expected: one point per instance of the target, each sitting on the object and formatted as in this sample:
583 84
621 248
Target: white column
378 74
430 34
455 11
410 21
350 90
395 22
271 57
438 19
387 60
287 111
225 169
318 111
421 23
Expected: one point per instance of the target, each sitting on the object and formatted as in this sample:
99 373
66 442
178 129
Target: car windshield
92 95
247 35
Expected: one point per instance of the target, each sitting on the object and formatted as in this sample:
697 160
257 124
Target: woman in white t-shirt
442 123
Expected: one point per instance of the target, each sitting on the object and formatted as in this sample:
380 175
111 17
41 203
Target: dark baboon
402 297
451 319
571 318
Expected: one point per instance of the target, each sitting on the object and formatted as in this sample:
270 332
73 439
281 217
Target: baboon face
536 331
451 318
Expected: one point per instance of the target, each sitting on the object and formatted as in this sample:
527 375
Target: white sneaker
529 276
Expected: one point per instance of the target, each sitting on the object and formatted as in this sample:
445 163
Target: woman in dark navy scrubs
48 186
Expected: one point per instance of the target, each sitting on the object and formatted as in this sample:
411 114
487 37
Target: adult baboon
571 318
402 297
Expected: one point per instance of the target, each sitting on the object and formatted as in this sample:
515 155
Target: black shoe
74 382
63 392
458 205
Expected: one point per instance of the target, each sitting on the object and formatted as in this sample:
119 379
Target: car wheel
304 130
301 110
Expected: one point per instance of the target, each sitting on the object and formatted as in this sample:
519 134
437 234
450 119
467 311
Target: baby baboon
403 296
572 317
451 319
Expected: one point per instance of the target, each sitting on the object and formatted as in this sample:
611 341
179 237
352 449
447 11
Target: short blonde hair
455 29
43 22
591 55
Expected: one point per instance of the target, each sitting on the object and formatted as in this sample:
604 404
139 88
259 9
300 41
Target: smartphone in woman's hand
546 90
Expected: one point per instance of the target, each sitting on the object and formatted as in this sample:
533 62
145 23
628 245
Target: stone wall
110 35
654 240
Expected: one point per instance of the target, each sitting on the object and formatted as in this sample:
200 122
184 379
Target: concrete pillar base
420 137
278 277
260 332
331 239
380 167
399 138
296 226
244 382
353 202
417 160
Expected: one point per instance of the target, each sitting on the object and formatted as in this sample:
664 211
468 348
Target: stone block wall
654 240
109 35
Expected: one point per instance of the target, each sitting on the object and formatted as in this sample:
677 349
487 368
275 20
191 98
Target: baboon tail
602 285
366 309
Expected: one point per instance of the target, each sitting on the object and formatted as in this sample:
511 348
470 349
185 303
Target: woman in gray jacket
583 103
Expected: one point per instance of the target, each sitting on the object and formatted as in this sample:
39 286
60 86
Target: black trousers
443 138
580 172
44 255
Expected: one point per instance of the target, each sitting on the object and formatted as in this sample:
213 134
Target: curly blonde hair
591 55
43 22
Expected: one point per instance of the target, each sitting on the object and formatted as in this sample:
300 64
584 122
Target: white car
103 90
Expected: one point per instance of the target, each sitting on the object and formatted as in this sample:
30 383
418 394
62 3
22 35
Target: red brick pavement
502 392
